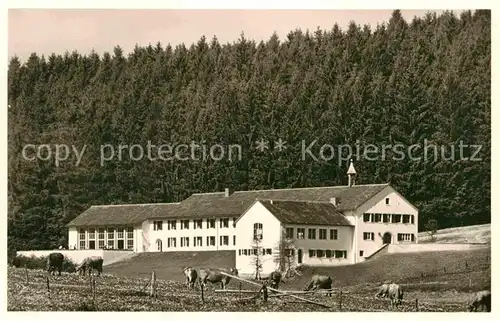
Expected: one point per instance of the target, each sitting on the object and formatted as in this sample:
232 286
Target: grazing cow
16 261
481 299
91 263
55 261
383 291
214 276
191 276
319 282
274 279
395 294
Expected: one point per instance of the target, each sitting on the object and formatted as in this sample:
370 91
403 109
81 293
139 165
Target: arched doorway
387 238
159 245
299 256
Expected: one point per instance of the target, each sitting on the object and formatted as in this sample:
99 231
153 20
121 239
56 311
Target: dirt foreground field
27 291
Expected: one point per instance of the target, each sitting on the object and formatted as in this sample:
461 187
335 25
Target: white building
325 225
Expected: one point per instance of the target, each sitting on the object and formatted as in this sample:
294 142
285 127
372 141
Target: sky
45 31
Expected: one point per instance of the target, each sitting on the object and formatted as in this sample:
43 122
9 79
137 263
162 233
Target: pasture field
467 234
437 290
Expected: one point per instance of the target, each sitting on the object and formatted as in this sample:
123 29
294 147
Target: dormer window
387 201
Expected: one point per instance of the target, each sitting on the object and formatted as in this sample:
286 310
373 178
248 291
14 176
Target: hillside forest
402 82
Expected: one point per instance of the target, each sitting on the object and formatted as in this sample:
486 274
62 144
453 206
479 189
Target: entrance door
121 244
92 245
387 238
299 256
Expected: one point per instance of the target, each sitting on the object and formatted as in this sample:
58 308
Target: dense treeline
402 83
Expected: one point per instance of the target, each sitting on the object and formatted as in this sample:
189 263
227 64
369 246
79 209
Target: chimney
351 173
227 192
334 200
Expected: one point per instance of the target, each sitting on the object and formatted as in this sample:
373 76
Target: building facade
322 225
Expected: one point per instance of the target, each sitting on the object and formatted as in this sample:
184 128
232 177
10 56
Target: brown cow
383 291
55 262
274 279
214 276
395 294
90 263
319 282
481 299
191 276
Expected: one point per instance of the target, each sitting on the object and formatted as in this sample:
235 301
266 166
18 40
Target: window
224 222
224 240
322 234
197 241
341 254
82 234
211 223
130 233
245 252
412 219
311 233
406 219
185 225
300 233
328 253
92 233
159 245
101 235
396 218
171 242
198 224
234 221
269 251
234 239
82 245
366 217
111 244
320 253
387 201
386 218
368 236
257 231
239 252
312 253
101 244
361 253
334 234
210 240
289 232
378 218
171 224
405 237
289 252
185 241
111 234
130 244
158 225
120 234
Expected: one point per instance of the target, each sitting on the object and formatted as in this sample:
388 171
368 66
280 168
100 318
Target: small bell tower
351 174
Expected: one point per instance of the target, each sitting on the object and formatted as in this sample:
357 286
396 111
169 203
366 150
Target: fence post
264 290
93 290
416 305
48 287
26 270
340 300
240 289
202 296
152 291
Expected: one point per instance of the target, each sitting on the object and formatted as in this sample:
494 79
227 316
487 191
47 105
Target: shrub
40 263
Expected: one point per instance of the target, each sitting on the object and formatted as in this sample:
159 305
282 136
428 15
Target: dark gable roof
349 198
125 214
310 213
205 205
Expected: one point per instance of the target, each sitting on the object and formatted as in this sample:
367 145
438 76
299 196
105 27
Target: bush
40 263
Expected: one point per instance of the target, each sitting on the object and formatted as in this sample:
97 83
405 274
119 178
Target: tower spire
351 173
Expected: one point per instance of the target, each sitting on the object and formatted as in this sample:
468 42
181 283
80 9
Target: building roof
205 205
123 214
310 213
